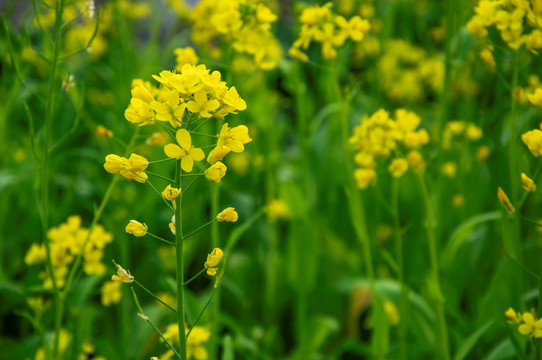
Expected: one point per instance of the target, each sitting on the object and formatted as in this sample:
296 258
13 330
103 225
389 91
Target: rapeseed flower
233 138
505 202
228 214
111 293
123 275
528 183
212 261
185 151
136 228
216 172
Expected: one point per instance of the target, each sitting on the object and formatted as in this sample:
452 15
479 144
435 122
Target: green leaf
472 340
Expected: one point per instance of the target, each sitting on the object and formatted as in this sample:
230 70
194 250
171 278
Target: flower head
212 261
505 202
228 214
136 228
513 316
171 193
123 275
216 172
528 183
530 326
185 150
233 138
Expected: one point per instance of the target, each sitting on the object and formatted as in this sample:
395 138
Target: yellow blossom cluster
212 261
527 323
66 242
82 17
132 168
518 21
379 137
245 24
195 348
526 94
194 89
460 131
407 73
320 24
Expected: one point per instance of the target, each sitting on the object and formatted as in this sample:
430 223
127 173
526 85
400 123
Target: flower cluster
407 73
320 24
132 168
527 323
461 132
379 136
212 261
194 88
67 241
519 22
246 24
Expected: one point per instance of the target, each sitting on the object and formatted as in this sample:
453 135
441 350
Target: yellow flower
298 54
185 55
530 326
185 150
217 154
103 131
533 140
528 183
505 202
35 255
136 228
228 214
482 153
171 193
458 200
122 275
398 167
233 138
391 312
216 172
132 168
212 261
365 177
202 105
415 160
449 169
277 209
111 293
513 317
115 163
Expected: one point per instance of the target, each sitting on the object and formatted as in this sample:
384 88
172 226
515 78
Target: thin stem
195 178
203 134
194 277
159 161
180 265
436 292
202 310
142 315
160 195
160 176
161 239
201 227
154 296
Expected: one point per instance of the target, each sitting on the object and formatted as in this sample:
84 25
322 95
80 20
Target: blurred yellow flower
528 183
186 55
513 317
449 169
530 326
392 312
103 132
277 209
228 214
505 202
398 167
533 140
111 293
136 228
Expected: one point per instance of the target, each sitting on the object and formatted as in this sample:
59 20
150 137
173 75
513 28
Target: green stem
403 301
154 296
194 277
160 195
204 225
160 176
202 310
57 298
142 315
180 265
436 292
215 242
161 239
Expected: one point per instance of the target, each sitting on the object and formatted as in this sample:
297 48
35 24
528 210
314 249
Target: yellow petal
187 163
173 151
528 318
197 154
184 139
524 329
